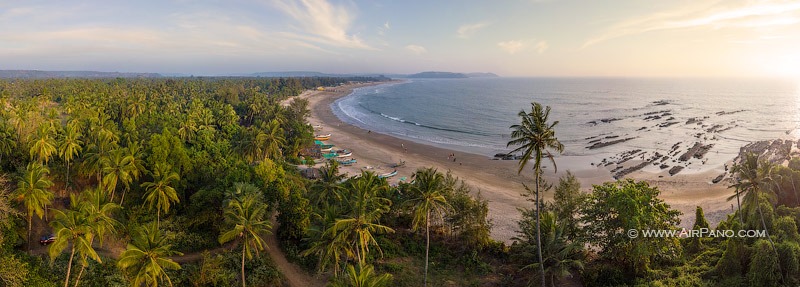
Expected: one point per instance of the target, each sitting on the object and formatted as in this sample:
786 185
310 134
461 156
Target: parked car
47 239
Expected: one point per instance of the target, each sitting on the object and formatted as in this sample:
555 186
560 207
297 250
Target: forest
193 181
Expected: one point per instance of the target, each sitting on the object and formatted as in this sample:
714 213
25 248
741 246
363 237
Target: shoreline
496 180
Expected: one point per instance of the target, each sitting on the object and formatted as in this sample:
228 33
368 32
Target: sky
630 38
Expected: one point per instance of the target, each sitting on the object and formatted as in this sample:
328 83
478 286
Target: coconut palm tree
72 226
44 145
366 208
32 189
159 193
328 188
428 197
70 146
94 204
273 138
146 258
7 141
249 218
561 256
754 181
535 137
328 249
119 169
364 276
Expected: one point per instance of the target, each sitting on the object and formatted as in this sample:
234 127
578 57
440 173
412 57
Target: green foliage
764 268
293 210
788 253
13 272
612 209
363 276
567 201
146 258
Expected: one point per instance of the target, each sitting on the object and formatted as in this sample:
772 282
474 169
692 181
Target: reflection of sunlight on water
796 131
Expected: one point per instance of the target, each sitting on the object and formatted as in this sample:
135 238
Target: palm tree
428 198
248 215
535 136
93 203
364 276
753 179
73 227
159 193
273 138
32 189
327 247
366 208
328 187
70 146
146 258
44 145
561 256
119 168
7 141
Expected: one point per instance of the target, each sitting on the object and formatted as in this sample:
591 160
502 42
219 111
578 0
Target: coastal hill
450 75
36 74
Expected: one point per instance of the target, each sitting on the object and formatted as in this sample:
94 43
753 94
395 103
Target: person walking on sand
404 147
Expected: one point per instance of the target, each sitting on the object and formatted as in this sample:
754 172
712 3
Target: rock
674 170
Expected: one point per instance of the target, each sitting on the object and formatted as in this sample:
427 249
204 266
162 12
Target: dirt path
295 276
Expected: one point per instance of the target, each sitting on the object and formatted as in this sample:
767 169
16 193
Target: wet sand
497 180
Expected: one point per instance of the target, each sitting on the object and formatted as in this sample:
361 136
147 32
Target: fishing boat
346 154
329 155
347 162
386 175
318 127
322 137
322 144
326 149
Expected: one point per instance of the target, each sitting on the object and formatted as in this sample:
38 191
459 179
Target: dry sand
497 180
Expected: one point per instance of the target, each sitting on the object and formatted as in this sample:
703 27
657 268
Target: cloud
382 29
416 49
512 46
322 22
541 46
719 15
467 30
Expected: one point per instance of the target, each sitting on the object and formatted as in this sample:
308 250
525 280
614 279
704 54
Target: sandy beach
497 180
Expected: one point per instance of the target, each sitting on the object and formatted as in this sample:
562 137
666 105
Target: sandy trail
497 180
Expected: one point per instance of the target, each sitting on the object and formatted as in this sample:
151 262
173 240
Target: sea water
664 116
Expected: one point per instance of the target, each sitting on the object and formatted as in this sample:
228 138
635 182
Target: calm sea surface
657 115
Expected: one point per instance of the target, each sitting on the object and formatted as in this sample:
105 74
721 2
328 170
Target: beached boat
326 149
322 144
346 154
347 162
318 127
399 164
329 155
386 175
322 137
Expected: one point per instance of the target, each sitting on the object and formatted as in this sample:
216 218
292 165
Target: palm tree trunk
67 176
69 265
538 229
83 267
123 197
244 283
30 217
427 242
739 207
764 225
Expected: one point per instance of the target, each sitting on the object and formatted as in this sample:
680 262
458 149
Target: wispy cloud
384 28
717 15
416 49
322 22
541 46
467 30
512 46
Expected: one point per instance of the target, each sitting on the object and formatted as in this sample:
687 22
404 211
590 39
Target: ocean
604 123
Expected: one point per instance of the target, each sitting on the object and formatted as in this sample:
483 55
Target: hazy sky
510 37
